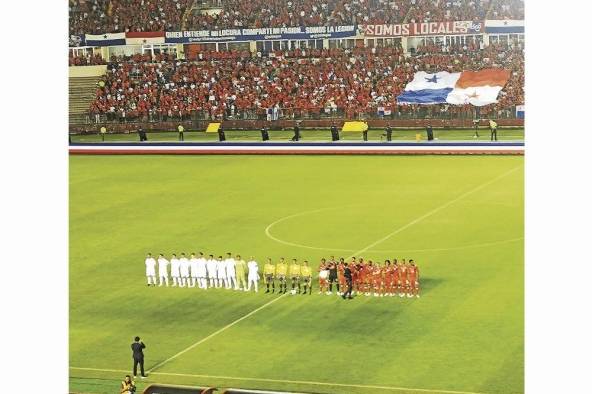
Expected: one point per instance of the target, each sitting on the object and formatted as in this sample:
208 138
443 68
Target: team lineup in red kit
370 278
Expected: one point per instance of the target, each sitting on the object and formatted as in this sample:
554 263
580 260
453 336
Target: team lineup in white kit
197 270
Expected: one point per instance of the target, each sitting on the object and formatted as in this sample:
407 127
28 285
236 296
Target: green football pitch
459 217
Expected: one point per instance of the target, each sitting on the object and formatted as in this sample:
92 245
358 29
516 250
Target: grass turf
307 135
464 334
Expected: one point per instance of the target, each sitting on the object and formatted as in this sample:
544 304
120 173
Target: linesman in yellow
295 274
306 274
269 275
281 270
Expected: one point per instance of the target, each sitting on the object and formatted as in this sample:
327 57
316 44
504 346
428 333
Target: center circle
269 234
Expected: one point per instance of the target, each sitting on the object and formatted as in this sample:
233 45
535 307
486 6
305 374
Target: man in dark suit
389 133
296 133
221 135
347 274
142 135
264 134
430 132
138 355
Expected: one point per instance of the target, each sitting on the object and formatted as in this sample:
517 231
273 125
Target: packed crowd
234 273
507 9
110 16
282 13
447 10
85 60
297 82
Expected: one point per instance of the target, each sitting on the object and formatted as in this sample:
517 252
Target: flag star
474 95
433 79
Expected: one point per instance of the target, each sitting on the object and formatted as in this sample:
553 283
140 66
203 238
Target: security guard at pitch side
493 128
334 133
296 133
264 134
389 133
181 130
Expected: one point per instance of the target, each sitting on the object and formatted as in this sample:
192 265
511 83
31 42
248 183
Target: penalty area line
303 382
213 334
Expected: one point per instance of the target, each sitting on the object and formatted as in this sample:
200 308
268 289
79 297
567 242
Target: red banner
423 29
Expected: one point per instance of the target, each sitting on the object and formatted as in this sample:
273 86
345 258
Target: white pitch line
214 334
303 382
269 235
435 210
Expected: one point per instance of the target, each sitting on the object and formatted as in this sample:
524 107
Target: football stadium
296 196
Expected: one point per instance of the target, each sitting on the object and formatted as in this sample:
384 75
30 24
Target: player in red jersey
413 277
359 280
403 278
368 277
342 285
388 278
396 277
354 270
323 276
377 280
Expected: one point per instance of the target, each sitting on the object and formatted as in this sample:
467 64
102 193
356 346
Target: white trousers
255 282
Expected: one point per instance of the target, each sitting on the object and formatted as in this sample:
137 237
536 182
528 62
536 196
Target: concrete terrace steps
81 93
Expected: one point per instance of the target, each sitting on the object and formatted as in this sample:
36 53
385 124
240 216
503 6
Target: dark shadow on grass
428 284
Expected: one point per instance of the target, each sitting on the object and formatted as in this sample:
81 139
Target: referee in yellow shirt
268 275
281 270
295 274
306 274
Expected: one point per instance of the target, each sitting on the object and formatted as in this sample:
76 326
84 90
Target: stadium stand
295 84
280 13
87 60
111 16
506 9
447 10
81 95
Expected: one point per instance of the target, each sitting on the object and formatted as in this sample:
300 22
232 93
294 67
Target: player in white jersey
163 272
184 269
212 270
230 272
193 270
253 276
221 269
201 271
150 270
175 270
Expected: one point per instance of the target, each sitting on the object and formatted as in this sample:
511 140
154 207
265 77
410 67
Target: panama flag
468 87
144 37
